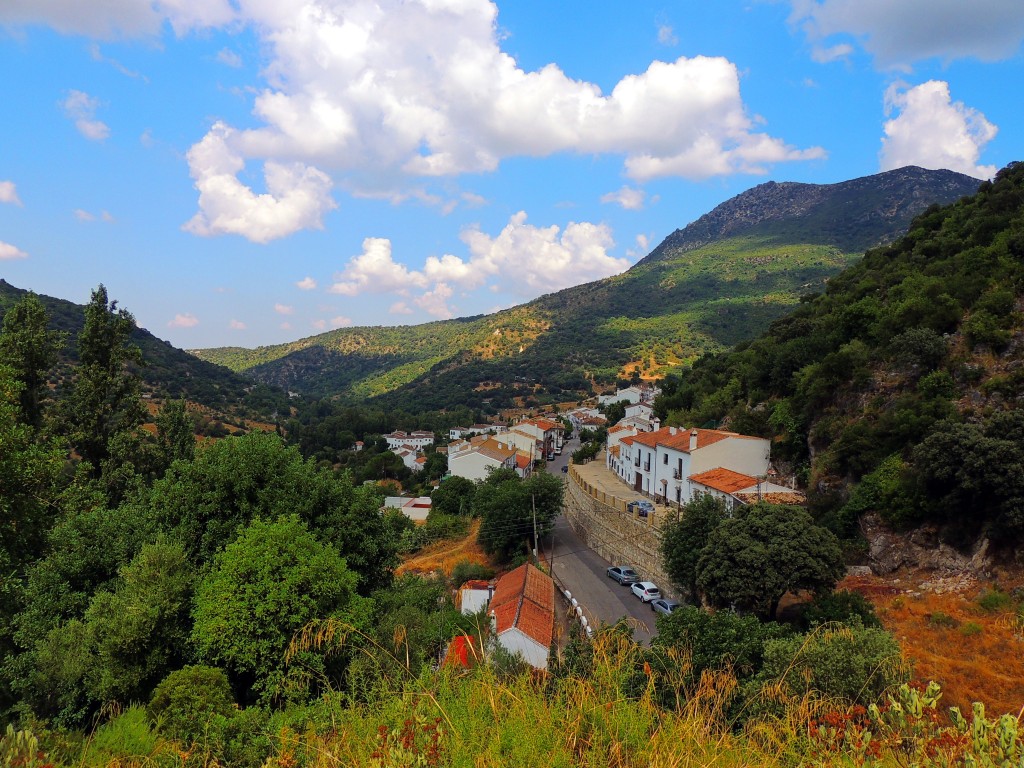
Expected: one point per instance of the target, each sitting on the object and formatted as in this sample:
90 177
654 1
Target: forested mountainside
722 279
166 372
898 389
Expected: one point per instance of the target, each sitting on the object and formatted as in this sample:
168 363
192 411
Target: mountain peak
852 215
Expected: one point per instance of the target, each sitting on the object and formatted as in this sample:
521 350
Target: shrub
970 629
464 571
995 600
844 607
942 620
184 701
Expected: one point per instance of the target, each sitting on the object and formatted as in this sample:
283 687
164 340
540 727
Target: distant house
474 595
736 489
471 459
418 440
416 509
663 464
522 614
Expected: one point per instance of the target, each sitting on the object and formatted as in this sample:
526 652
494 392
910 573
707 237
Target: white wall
471 465
517 642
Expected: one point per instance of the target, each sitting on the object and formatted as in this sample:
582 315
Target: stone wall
603 523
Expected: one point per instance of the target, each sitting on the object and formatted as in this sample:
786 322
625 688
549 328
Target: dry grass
949 638
445 555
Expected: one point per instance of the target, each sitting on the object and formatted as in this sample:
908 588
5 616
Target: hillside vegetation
722 279
897 390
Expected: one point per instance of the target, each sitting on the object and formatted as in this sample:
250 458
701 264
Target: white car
646 591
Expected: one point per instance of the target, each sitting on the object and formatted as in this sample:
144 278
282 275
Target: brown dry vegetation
976 655
445 555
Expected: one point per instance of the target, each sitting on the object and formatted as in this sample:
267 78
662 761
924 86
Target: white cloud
375 271
666 35
9 193
284 309
641 247
81 107
306 284
97 55
297 195
341 322
630 198
320 325
899 33
531 260
932 131
184 320
237 325
825 54
9 252
375 92
435 302
115 18
229 58
83 215
285 326
400 308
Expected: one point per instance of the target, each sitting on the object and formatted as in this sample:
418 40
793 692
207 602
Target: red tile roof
524 599
522 461
724 480
680 441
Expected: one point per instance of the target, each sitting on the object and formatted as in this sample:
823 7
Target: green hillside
721 280
898 389
167 372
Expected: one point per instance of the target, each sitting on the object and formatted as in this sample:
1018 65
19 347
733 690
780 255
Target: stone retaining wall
606 527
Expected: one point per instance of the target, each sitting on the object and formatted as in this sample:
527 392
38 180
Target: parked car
640 507
551 457
646 591
661 605
623 574
558 451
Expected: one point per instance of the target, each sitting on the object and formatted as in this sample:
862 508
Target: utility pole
533 503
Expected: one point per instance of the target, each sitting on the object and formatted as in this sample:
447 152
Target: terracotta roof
476 584
774 497
522 461
524 599
546 424
628 440
680 441
724 480
614 450
494 450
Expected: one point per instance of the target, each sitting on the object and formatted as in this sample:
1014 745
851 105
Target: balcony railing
647 466
677 474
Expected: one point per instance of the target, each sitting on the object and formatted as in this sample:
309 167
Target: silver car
661 605
623 574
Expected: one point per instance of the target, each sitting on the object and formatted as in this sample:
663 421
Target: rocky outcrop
922 548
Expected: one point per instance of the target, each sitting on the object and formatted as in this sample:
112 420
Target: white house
661 463
415 509
419 440
523 614
410 456
472 459
474 595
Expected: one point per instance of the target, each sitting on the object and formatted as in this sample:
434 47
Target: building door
636 484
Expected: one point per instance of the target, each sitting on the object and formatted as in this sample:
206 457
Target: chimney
693 439
655 424
672 431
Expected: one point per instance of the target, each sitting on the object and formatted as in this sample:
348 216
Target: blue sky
247 172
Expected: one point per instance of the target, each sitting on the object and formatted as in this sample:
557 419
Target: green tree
105 400
233 481
683 540
454 496
752 560
265 586
511 509
175 434
187 698
31 350
140 630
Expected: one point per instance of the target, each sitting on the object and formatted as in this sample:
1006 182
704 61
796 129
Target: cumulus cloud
377 92
306 284
435 302
341 322
375 271
9 252
81 108
237 325
930 130
116 18
630 198
297 195
900 33
284 309
184 320
320 325
9 193
640 248
400 308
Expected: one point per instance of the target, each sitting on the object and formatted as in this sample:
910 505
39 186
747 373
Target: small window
664 458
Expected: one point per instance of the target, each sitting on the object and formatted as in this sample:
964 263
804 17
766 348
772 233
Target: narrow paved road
582 571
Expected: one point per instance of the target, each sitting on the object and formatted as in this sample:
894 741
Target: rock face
852 215
921 549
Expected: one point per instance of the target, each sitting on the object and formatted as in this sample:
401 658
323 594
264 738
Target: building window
664 458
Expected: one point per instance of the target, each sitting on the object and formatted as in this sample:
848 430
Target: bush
843 607
854 663
940 619
465 571
995 600
183 703
970 629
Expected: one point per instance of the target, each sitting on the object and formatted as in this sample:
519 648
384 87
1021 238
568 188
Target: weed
942 620
995 601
